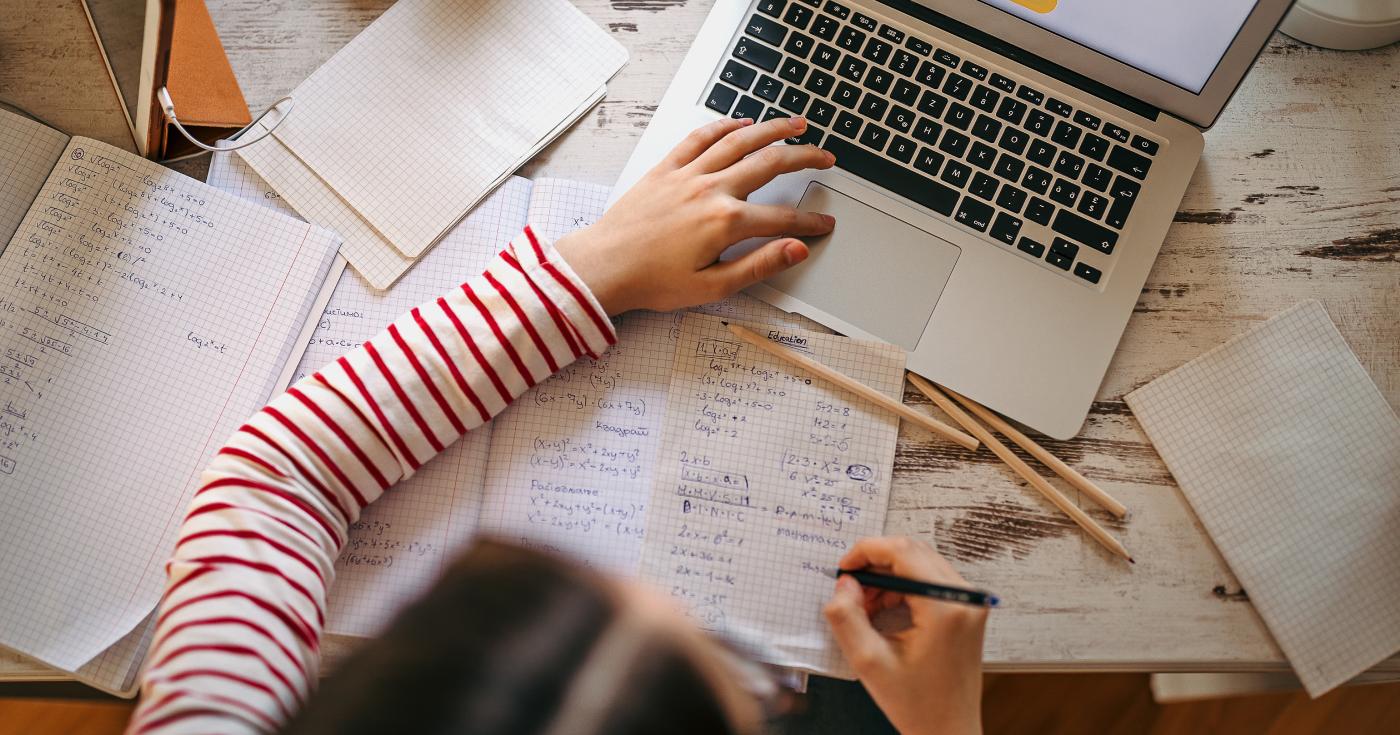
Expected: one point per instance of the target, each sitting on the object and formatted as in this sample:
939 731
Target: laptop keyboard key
958 116
721 99
799 45
837 9
1039 123
1059 261
1042 153
1033 96
766 29
1092 205
852 68
1087 272
893 35
986 128
1064 192
1096 177
748 107
927 130
954 143
1037 180
773 112
928 161
892 176
873 106
798 16
900 119
879 80
826 57
794 100
1077 228
793 71
1086 119
1039 211
1002 83
983 186
878 50
1058 107
956 173
1125 189
1011 110
757 54
865 21
1030 246
821 112
1066 134
1069 165
957 86
905 63
825 28
932 103
768 88
875 137
973 70
1011 199
850 39
1115 132
811 136
1129 162
820 82
772 7
1061 246
1014 140
919 46
1093 146
1009 167
982 155
931 75
946 58
902 149
974 214
1006 228
738 75
1118 213
847 95
847 125
984 98
1146 146
905 92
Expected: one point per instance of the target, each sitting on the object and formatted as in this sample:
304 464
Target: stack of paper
408 127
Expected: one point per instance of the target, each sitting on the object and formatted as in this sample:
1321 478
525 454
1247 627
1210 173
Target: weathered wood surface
1297 196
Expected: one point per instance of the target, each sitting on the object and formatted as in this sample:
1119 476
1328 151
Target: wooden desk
1297 196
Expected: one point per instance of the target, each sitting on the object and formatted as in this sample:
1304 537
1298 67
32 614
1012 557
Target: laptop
1006 170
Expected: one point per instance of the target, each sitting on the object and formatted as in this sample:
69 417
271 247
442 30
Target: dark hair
495 647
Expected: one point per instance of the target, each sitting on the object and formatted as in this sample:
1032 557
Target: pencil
1071 476
854 386
1019 466
908 586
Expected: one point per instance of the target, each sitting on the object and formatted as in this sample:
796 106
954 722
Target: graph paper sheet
420 115
1290 456
766 475
146 316
28 151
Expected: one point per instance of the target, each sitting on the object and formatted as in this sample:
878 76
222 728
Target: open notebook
574 464
401 133
144 316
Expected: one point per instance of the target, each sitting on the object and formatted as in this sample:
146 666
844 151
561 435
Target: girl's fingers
748 175
766 220
700 140
761 264
864 648
737 144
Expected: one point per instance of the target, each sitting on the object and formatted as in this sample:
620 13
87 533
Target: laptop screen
1178 41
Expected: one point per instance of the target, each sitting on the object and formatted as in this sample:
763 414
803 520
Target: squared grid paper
765 477
145 321
419 116
1290 457
299 187
28 152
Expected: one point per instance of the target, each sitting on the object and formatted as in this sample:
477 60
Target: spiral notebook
1290 456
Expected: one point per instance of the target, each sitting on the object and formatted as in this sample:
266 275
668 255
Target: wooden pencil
1071 476
854 386
1020 467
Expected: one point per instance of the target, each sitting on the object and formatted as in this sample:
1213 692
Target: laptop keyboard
971 142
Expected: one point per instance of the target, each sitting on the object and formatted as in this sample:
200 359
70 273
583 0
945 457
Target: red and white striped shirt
237 638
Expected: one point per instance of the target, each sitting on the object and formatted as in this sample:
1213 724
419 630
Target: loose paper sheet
766 475
1290 456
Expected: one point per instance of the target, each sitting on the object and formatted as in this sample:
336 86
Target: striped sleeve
239 628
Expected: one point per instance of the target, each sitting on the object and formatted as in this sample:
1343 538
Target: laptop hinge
1022 56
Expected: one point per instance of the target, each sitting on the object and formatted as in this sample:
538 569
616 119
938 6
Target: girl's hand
926 678
658 246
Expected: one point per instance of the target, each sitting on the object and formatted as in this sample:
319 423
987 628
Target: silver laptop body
1000 229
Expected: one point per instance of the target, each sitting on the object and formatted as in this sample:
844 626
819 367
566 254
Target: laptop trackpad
874 271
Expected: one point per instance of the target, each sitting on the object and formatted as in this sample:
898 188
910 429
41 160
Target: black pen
915 587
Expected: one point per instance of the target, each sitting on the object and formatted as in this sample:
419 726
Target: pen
915 587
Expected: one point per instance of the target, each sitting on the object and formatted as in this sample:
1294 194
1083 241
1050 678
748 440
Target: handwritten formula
766 475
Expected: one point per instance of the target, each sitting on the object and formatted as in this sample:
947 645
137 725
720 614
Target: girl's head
515 642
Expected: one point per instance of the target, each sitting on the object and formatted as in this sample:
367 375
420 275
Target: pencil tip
1131 560
725 323
993 601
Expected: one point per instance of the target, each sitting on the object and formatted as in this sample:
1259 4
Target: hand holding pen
941 650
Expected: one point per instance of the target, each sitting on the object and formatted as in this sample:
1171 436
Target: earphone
167 106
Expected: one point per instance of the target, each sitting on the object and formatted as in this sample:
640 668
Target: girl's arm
239 627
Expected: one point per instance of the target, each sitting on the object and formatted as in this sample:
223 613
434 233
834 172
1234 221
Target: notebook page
403 540
28 151
414 119
1290 457
146 318
766 475
370 254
